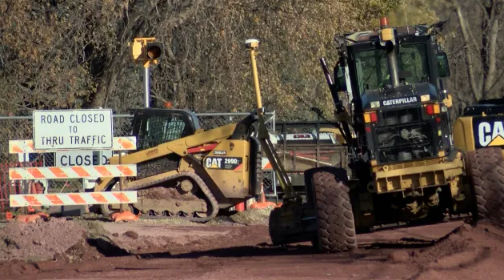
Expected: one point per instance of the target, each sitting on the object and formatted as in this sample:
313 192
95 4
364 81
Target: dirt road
230 251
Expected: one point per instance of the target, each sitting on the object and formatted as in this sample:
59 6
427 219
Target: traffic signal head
153 50
146 51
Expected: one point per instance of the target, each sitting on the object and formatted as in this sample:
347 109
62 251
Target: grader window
413 61
372 69
373 72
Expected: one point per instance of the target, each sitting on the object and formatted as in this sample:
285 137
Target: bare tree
75 54
480 33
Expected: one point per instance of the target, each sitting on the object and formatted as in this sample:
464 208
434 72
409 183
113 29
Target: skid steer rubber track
199 183
335 219
486 170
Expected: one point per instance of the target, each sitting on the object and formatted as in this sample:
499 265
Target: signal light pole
146 87
146 51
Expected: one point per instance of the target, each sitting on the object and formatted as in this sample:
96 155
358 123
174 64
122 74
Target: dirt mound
138 238
39 241
131 234
161 192
252 216
93 229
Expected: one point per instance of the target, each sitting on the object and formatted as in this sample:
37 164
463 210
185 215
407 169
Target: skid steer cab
186 171
403 166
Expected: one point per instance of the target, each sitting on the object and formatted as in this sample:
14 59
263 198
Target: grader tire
275 231
335 219
486 170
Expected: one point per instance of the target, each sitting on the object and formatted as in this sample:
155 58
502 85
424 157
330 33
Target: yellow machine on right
407 165
479 133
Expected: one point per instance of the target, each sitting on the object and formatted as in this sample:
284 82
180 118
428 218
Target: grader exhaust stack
387 39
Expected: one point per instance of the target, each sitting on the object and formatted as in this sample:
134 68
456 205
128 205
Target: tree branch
492 57
475 87
483 8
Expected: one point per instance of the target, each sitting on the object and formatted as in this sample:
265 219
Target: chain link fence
20 128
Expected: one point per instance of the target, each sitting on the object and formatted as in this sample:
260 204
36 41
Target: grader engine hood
403 123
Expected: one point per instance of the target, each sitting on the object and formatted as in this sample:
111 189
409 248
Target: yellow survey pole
262 133
252 45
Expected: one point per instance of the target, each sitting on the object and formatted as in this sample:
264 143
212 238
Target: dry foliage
74 53
473 39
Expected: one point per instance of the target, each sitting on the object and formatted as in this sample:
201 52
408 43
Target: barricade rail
8 187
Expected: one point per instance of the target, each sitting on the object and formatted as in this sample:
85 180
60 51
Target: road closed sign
82 158
73 129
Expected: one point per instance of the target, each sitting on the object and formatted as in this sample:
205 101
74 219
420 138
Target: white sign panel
73 129
102 157
82 158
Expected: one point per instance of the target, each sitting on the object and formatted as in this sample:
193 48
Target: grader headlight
425 98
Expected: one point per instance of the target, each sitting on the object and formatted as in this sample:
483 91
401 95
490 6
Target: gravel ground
224 250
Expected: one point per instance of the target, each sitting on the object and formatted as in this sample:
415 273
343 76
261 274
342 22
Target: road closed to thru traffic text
73 129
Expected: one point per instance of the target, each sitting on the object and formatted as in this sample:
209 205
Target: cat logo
490 134
213 162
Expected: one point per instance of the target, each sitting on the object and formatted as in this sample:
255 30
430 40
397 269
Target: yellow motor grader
407 167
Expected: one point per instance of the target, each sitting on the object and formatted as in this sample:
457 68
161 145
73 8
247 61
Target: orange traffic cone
263 204
124 216
240 207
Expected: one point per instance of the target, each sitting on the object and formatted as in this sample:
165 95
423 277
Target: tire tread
334 213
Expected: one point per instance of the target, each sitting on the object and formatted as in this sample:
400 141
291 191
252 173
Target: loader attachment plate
409 236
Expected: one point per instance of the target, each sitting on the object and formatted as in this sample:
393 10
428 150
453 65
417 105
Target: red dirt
244 252
41 240
141 238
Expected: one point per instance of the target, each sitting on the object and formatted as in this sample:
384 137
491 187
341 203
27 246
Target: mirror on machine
443 66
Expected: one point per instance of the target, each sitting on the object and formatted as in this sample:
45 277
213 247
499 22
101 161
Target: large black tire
486 170
275 231
335 219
